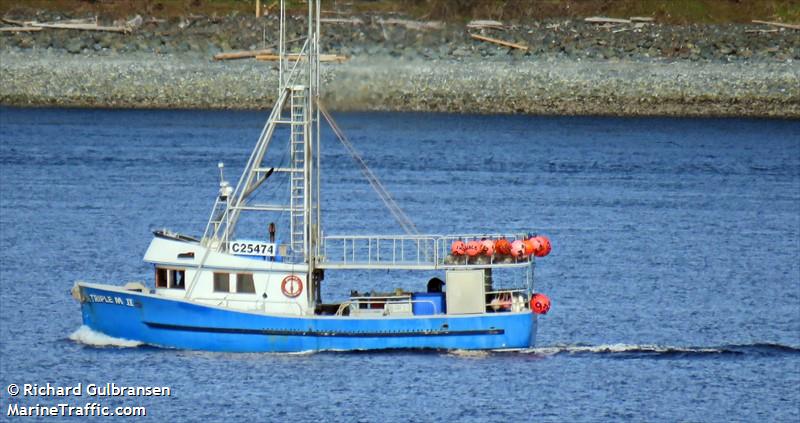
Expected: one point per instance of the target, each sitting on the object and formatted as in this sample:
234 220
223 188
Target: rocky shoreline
570 68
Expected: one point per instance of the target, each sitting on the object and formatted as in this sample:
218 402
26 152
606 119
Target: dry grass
128 8
671 11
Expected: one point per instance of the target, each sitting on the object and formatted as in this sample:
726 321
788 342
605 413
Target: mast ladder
298 152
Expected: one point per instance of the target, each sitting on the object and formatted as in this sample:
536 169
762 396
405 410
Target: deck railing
501 300
408 252
386 305
507 300
260 304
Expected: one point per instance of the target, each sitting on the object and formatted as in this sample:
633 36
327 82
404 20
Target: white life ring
292 286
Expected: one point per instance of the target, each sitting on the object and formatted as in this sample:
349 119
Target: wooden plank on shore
778 24
348 21
84 21
484 23
14 22
642 19
268 49
233 55
603 19
499 42
295 57
20 29
82 27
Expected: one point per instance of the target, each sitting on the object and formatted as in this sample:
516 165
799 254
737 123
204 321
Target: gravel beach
570 68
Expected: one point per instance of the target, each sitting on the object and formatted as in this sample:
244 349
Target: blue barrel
427 303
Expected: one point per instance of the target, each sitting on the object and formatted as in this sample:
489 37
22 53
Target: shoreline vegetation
624 66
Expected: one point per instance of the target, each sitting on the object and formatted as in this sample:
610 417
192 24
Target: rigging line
403 219
406 223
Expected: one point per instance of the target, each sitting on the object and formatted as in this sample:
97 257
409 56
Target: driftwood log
499 42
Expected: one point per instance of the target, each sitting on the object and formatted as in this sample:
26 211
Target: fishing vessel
233 289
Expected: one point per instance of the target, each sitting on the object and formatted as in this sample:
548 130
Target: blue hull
181 324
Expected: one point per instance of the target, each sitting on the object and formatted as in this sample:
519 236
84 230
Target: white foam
85 335
616 348
469 353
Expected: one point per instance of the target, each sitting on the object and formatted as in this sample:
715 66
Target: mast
298 91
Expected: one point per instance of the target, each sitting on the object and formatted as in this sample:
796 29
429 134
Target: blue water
675 273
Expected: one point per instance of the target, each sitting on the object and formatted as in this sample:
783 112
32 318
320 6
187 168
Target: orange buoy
458 248
545 246
518 248
531 245
502 246
488 247
474 248
540 304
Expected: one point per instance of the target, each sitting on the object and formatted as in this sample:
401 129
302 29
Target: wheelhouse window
245 284
170 278
162 279
178 279
222 282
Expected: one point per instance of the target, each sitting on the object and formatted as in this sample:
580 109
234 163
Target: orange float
458 248
540 303
488 247
545 246
474 248
531 245
502 246
518 248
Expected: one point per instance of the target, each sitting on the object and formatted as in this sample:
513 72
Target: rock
460 52
725 50
118 45
211 49
518 53
25 41
135 22
74 45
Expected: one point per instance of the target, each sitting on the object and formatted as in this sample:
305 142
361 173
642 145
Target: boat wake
469 353
665 351
85 335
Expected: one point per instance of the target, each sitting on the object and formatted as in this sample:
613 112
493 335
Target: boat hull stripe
336 334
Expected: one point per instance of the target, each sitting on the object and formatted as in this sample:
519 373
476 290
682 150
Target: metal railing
385 305
408 252
401 250
259 304
501 300
507 300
